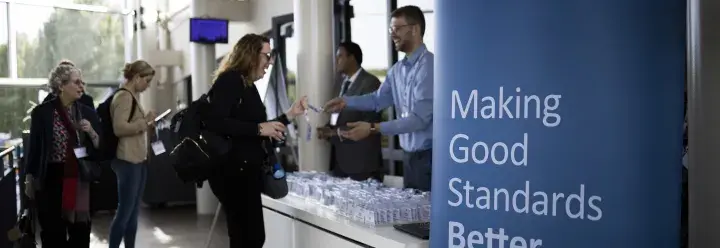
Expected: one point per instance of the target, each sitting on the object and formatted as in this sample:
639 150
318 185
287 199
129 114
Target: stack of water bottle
368 202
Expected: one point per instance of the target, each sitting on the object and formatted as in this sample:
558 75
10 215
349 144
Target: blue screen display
208 30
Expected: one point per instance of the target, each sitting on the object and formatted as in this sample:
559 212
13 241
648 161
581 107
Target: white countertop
383 236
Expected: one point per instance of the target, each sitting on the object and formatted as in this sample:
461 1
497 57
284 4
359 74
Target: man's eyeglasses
394 29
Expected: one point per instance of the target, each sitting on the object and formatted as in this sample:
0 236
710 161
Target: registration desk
292 223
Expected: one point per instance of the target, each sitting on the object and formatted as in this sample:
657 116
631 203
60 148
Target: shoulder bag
273 175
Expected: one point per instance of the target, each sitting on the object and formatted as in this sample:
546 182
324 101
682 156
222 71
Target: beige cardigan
132 138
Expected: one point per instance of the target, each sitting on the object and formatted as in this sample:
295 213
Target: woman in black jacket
237 111
62 133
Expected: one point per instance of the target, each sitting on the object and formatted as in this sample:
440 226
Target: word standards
512 155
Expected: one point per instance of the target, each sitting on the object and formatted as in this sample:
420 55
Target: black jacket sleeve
226 93
35 149
282 119
90 115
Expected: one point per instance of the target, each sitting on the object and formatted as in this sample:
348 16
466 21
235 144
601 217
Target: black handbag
274 186
89 171
193 157
22 235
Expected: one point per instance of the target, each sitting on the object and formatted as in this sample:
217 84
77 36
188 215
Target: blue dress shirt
409 86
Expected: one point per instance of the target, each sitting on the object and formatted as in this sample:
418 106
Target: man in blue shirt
409 86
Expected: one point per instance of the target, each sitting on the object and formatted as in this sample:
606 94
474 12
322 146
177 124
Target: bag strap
134 103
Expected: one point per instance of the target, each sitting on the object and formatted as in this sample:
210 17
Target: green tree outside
93 41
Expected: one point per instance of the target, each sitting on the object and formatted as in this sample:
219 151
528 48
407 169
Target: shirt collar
354 76
413 57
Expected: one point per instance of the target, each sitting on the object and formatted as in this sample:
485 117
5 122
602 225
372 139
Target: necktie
344 87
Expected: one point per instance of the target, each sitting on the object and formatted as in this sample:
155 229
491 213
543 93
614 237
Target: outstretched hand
334 105
298 108
359 130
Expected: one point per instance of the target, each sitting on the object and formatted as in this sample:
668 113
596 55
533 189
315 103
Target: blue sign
558 123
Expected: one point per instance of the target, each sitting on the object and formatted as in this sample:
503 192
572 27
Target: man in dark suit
358 160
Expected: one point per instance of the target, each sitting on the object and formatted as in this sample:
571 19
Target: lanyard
308 133
409 83
76 124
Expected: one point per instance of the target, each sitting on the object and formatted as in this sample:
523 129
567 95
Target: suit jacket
365 155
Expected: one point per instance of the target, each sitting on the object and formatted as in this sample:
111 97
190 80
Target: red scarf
71 165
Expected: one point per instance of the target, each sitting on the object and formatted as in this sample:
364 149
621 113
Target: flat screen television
208 31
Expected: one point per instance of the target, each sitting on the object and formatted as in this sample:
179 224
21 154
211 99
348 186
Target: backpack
109 141
192 157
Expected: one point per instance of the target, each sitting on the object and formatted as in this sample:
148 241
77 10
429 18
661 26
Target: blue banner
558 123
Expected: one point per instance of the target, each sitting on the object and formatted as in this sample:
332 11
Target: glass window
4 65
423 4
369 31
291 52
428 9
93 41
177 5
99 93
15 105
113 4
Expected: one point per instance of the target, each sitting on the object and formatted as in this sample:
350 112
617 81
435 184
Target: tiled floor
171 227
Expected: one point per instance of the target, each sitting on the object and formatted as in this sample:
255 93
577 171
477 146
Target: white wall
262 12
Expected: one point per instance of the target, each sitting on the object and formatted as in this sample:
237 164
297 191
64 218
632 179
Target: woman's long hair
244 57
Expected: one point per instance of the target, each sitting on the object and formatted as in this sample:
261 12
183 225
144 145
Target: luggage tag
157 146
80 152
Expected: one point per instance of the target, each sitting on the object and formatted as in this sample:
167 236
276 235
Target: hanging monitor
208 31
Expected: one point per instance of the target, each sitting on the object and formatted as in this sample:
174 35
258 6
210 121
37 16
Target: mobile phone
161 116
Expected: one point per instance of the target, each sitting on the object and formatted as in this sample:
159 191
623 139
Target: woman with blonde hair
237 111
63 137
130 124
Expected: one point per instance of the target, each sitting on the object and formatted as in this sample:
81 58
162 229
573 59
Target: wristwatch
373 129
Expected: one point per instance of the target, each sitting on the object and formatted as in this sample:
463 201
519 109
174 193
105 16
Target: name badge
80 152
334 118
404 115
158 147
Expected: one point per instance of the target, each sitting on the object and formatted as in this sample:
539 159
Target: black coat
41 138
235 111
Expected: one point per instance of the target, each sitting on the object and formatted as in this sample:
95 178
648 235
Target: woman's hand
298 108
86 127
29 187
272 129
150 119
